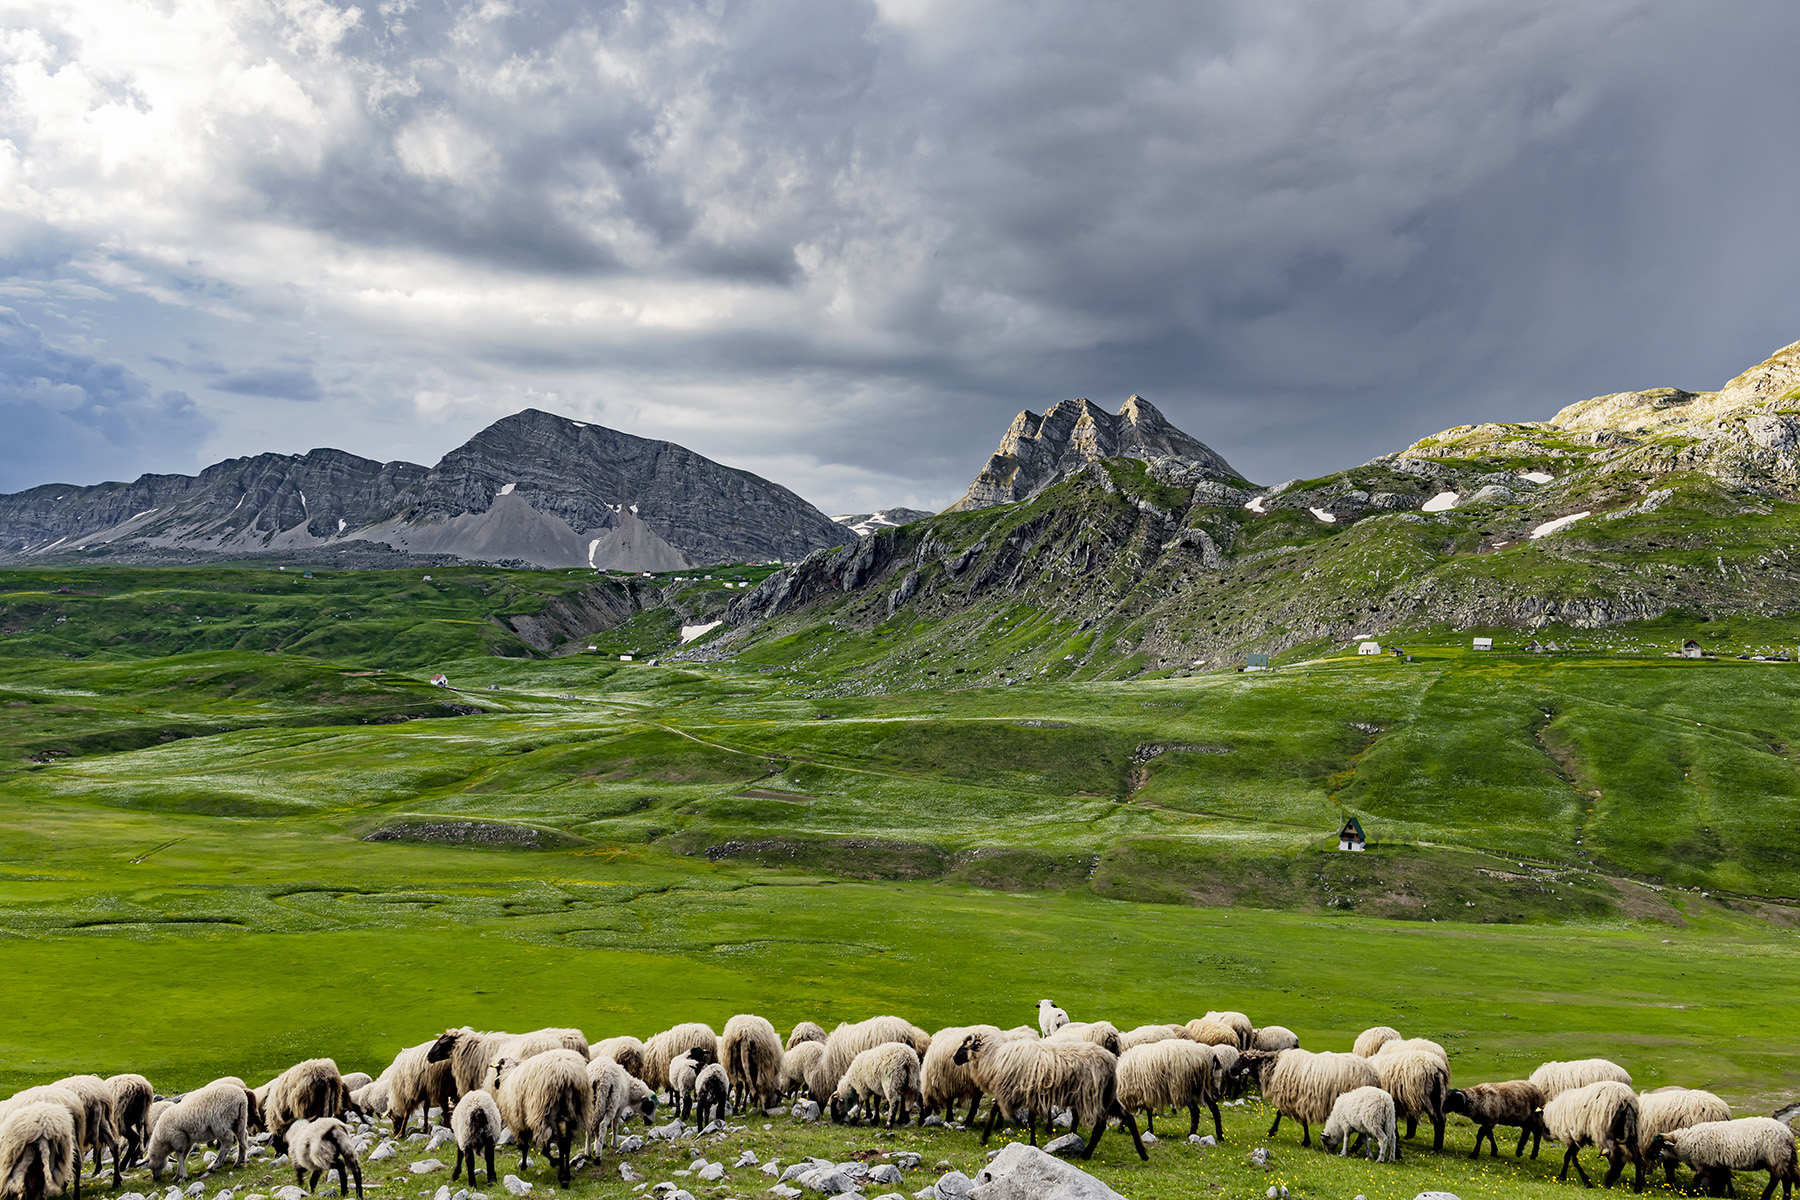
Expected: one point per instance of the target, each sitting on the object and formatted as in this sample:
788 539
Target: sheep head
1662 1146
971 1047
1456 1101
1255 1062
702 1055
498 1069
445 1045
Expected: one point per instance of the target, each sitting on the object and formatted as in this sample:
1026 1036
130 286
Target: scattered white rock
1435 1196
855 1169
1197 1139
797 1170
443 1193
290 1192
712 1172
784 1191
208 1159
515 1185
627 1174
631 1145
196 1188
438 1138
746 1159
1068 1143
807 1110
382 1152
1149 1139
926 1193
884 1173
713 1126
934 1119
1023 1172
425 1166
828 1181
953 1185
906 1160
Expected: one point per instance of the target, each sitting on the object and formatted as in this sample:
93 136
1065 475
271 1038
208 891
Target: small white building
624 658
1369 648
440 680
1484 643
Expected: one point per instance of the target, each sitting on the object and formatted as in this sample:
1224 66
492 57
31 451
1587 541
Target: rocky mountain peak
1037 451
1767 387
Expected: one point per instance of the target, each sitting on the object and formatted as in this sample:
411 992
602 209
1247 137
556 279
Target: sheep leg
1218 1121
1615 1166
1130 1124
356 1170
524 1150
1277 1124
490 1164
1483 1131
1355 1145
1305 1134
562 1158
1412 1126
1437 1134
1572 1158
1031 1124
974 1106
1770 1190
457 1173
987 1130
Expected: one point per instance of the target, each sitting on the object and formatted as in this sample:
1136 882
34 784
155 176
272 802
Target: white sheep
1603 1114
305 1091
321 1144
712 1094
806 1031
470 1055
132 1096
625 1050
944 1084
1100 1033
1555 1078
1372 1039
883 1076
1029 1078
1717 1148
795 1063
1211 1031
416 1081
849 1040
546 1098
1670 1108
1368 1114
1274 1037
616 1095
1303 1085
1144 1035
1419 1082
371 1099
751 1052
69 1102
476 1126
99 1131
1235 1021
695 1038
218 1113
1172 1073
684 1073
37 1151
1050 1018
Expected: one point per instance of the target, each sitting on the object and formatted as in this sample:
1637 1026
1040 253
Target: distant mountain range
885 518
531 489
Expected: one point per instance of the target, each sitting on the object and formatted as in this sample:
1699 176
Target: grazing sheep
1514 1104
1225 1059
849 1040
1031 1078
1717 1148
476 1124
96 1101
1213 1032
415 1080
806 1031
798 1060
1235 1021
545 1098
1050 1018
1303 1085
1101 1033
37 1151
371 1099
1670 1108
1555 1078
321 1144
1603 1114
1368 1113
218 1113
625 1050
1417 1080
470 1054
883 1076
616 1095
1022 1031
694 1038
942 1082
751 1052
305 1091
1371 1040
1172 1073
354 1080
542 1041
70 1102
132 1096
1274 1037
1144 1035
712 1095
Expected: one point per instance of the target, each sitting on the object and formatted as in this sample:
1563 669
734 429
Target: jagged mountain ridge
1621 508
532 488
1038 451
881 518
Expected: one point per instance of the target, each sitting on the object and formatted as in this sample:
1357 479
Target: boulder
631 1145
806 1110
1068 1143
425 1166
384 1151
746 1159
515 1185
711 1172
884 1173
953 1185
1023 1172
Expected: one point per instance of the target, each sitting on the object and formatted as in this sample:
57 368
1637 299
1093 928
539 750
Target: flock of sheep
549 1087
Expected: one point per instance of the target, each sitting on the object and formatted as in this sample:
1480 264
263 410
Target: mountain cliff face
532 488
1040 451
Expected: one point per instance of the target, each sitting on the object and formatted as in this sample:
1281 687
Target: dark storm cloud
842 243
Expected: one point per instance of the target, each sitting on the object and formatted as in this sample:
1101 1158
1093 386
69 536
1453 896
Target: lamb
1303 1085
1274 1037
305 1091
616 1095
1555 1078
132 1096
799 1059
1100 1033
712 1094
1667 1109
693 1038
1514 1103
1034 1077
218 1113
1172 1073
96 1101
805 1031
1603 1114
1050 1018
545 1098
1368 1113
625 1050
416 1080
751 1053
883 1076
321 1144
476 1124
67 1100
1716 1148
1373 1039
37 1151
943 1083
684 1074
1144 1035
848 1041
1417 1080
1235 1021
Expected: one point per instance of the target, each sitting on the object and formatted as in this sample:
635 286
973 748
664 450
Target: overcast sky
842 243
